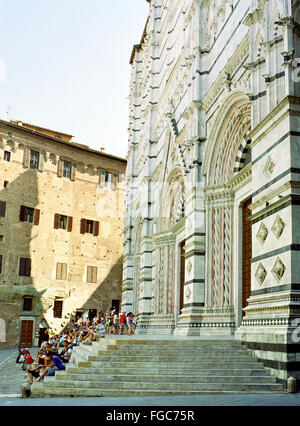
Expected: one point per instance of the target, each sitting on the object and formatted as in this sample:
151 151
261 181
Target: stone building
61 231
212 235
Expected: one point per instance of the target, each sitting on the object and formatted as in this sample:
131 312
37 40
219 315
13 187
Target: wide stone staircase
134 367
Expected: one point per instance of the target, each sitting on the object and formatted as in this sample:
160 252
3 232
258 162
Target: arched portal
172 212
227 155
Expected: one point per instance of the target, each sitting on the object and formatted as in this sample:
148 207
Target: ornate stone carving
261 274
269 167
278 227
278 269
188 294
262 233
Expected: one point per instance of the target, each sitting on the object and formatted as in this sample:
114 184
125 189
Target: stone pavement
259 400
11 374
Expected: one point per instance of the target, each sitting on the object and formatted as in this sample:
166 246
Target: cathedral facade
212 236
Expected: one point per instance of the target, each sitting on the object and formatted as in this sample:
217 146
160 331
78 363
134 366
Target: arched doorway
169 281
228 277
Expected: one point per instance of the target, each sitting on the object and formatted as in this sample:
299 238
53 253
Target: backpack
28 359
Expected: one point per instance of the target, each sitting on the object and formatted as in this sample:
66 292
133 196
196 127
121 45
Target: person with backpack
25 359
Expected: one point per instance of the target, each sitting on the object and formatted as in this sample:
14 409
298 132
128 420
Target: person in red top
123 324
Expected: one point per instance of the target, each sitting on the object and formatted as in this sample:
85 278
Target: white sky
64 65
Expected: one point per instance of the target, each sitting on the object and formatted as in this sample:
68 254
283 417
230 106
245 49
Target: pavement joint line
7 360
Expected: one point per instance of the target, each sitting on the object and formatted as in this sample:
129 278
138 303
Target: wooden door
182 275
247 253
26 333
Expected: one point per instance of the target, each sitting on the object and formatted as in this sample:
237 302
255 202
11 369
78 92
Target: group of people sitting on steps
57 351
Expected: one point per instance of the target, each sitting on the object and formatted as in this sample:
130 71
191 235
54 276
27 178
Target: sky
64 65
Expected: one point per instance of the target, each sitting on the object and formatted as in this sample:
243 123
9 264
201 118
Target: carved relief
262 233
261 274
269 167
278 269
278 227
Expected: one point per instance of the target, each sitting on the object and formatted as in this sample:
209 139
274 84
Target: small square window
5 184
1 238
6 156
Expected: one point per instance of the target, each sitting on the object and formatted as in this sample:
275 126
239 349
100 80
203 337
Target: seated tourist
66 353
34 372
53 363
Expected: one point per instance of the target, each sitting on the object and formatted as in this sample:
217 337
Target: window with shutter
6 156
34 159
58 309
42 159
67 167
89 228
26 157
22 213
27 304
82 226
28 215
91 274
96 229
37 214
102 179
115 181
73 172
70 224
60 168
25 267
2 208
61 271
56 221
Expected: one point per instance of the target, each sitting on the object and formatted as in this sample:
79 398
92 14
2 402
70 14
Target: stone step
112 367
40 391
162 385
139 352
166 372
89 354
164 378
164 359
205 345
77 389
171 342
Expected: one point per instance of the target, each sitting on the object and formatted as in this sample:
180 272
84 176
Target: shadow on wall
29 254
18 228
